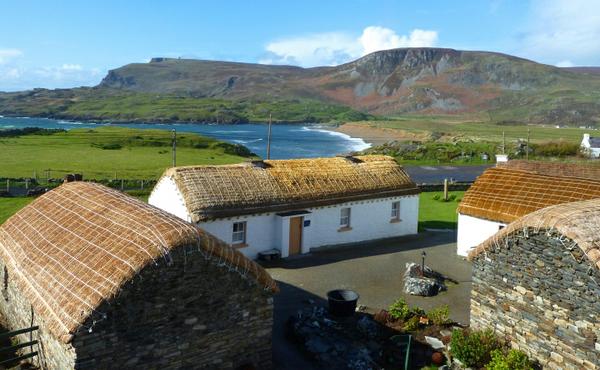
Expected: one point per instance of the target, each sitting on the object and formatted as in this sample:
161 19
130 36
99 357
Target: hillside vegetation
501 89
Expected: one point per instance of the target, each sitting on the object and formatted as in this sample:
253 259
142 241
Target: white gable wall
473 231
167 197
370 220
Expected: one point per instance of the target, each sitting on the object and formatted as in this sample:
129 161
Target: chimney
73 177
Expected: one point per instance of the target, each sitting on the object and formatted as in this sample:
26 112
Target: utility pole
503 142
174 138
527 150
269 138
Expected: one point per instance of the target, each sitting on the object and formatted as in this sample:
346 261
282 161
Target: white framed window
345 217
395 210
239 233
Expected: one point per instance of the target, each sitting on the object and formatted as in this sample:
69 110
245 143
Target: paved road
437 174
375 272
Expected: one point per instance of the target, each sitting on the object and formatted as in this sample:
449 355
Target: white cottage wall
473 231
370 220
261 232
166 196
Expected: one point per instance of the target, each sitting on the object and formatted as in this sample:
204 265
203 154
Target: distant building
516 188
591 145
293 205
536 283
113 282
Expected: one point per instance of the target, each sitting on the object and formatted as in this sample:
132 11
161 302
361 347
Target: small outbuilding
537 283
113 282
591 146
294 205
503 194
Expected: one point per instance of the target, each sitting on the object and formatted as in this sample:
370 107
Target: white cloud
333 48
565 63
7 55
379 38
564 30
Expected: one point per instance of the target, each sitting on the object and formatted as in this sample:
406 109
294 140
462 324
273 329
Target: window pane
345 217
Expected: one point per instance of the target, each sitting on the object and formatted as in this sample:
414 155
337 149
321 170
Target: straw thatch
587 170
577 221
504 195
77 245
219 191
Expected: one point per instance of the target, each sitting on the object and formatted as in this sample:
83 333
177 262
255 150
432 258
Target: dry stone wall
539 291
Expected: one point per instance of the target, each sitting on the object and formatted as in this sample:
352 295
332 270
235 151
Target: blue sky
72 43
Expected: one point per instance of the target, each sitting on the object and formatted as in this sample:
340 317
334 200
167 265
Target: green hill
428 81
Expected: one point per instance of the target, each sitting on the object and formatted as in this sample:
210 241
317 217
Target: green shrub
411 324
399 310
473 348
235 149
436 197
513 360
439 315
108 146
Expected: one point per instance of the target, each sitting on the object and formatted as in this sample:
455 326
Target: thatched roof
77 245
585 170
504 195
219 191
578 221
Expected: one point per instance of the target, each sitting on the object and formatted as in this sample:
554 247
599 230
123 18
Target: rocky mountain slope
427 81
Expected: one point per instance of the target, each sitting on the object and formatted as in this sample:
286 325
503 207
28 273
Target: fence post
8 185
446 189
26 184
142 184
122 184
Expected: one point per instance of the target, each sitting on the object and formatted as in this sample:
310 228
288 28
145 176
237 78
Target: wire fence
32 186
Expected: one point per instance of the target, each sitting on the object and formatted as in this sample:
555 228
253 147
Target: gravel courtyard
374 270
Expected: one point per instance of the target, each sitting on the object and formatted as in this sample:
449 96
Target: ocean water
287 141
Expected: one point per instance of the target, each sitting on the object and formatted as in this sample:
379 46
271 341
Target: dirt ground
374 270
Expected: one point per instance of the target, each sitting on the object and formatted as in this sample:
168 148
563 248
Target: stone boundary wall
542 297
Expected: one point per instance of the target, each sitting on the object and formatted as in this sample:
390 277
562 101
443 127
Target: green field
8 206
437 214
476 127
108 153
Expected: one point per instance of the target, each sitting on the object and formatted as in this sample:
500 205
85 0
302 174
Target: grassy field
8 206
106 152
437 214
476 127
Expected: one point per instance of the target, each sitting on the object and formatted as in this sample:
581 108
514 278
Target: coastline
374 136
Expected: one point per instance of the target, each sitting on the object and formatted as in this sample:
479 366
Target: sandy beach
375 135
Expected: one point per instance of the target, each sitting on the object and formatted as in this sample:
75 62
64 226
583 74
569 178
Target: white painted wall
166 196
473 231
370 219
586 145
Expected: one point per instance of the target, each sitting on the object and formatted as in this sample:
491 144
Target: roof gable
75 246
504 195
221 191
577 221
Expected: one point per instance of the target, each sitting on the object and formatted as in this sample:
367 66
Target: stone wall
187 314
542 294
16 313
184 312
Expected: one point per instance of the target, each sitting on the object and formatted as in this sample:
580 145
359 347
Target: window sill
239 245
345 228
395 220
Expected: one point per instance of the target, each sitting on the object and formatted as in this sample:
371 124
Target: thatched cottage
537 282
293 205
115 283
503 194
